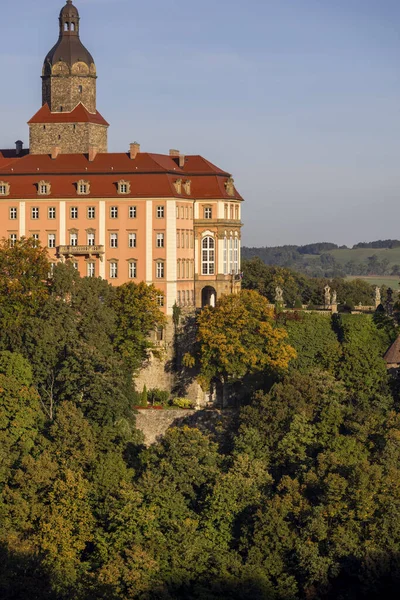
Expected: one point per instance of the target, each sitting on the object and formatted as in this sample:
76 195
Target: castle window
91 269
225 256
236 257
178 269
83 187
113 240
114 212
160 300
160 212
44 188
237 212
4 188
160 270
74 212
13 213
208 213
75 265
73 239
51 240
80 89
132 270
208 256
113 270
160 240
52 212
124 187
132 212
132 240
13 239
35 213
35 237
226 211
90 239
178 239
91 212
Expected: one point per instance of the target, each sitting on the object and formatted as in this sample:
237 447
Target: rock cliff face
155 423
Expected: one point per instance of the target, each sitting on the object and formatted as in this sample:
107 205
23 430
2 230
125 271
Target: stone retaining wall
155 423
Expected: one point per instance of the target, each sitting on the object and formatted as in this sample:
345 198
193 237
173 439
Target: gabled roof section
79 115
392 356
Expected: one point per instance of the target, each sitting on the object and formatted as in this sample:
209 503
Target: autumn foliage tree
239 337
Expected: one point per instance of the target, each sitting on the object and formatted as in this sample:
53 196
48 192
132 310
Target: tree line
314 260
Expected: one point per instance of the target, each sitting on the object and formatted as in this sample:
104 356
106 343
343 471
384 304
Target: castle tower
68 119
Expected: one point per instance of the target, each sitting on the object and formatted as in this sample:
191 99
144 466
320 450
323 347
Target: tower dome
69 48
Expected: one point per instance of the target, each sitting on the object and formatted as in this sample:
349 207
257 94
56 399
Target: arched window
208 256
72 26
230 255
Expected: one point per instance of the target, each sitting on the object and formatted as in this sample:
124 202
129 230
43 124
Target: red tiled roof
79 115
150 175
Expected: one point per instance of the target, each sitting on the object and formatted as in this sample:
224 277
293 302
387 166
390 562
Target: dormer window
83 187
178 186
188 187
44 188
4 188
230 186
124 187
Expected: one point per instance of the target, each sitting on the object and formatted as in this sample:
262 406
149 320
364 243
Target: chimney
93 150
18 147
181 157
55 151
134 150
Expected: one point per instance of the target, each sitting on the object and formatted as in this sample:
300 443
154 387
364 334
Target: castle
169 220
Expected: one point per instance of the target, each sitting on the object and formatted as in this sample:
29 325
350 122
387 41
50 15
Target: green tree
240 337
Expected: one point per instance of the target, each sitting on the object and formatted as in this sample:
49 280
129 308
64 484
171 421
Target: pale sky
298 99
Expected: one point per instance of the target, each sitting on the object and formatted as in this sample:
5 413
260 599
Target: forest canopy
299 499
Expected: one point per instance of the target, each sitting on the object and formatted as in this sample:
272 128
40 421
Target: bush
182 403
159 397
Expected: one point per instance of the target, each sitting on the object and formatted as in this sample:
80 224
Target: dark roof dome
69 47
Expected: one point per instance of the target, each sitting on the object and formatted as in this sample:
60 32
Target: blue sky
298 99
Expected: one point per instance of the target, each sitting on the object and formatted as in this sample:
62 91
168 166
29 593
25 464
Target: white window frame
73 212
225 255
91 239
113 240
160 212
51 240
91 212
35 213
13 239
208 256
132 240
113 270
113 212
73 239
51 212
160 270
132 269
91 269
132 212
13 213
160 240
208 212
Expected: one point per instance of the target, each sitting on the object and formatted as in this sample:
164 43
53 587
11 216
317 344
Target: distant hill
325 259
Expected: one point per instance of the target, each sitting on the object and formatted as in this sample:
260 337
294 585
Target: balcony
90 251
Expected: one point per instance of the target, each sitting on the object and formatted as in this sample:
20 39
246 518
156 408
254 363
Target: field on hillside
392 282
362 254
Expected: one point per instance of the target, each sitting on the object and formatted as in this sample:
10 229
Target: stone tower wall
65 92
72 138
